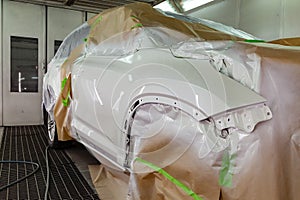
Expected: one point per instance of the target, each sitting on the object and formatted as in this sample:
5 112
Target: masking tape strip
170 178
255 41
92 27
133 16
65 101
225 176
137 25
63 83
96 22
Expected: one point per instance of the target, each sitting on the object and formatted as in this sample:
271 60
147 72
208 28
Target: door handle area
20 79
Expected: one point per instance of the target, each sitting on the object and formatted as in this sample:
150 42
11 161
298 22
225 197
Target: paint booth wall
267 19
55 23
225 12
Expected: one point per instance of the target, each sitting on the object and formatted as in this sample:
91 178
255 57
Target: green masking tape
135 17
137 25
254 41
96 22
63 83
170 178
225 176
65 102
93 26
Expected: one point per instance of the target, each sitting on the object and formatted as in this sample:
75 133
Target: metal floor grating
29 143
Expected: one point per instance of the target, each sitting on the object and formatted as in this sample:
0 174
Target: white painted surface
60 23
22 108
106 88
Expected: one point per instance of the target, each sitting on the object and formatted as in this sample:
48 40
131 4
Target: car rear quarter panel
105 90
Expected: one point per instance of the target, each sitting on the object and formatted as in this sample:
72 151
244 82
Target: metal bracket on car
243 119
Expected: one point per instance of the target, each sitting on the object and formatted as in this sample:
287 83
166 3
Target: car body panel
115 71
105 89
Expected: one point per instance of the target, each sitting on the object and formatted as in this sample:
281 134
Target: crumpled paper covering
174 141
109 183
287 41
266 164
125 18
119 31
215 25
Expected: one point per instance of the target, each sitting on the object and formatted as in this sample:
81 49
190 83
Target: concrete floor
82 159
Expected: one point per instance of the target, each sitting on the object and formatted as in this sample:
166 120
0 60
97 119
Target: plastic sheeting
135 26
228 57
174 141
215 25
140 25
262 165
73 40
54 77
186 157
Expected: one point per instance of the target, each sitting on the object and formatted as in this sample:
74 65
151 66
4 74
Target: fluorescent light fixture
191 4
165 6
186 5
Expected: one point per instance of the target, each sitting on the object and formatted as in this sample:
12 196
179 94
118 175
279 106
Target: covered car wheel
52 136
52 133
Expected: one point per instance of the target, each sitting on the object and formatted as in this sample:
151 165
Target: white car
114 76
